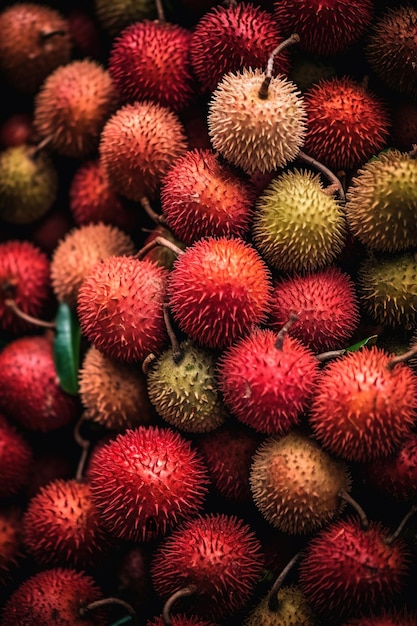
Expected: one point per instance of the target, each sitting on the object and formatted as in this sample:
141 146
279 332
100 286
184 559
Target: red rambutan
10 541
16 459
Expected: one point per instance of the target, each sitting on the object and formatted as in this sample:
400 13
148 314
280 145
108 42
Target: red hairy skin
150 60
218 290
346 124
325 28
201 197
386 618
347 570
146 481
361 409
265 387
16 459
229 38
219 554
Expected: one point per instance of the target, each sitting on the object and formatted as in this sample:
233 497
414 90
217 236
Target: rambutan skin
145 481
347 570
265 387
16 459
220 554
25 279
150 60
11 550
120 308
216 307
202 197
362 409
346 124
227 39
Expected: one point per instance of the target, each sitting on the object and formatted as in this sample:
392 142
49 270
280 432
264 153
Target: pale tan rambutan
79 251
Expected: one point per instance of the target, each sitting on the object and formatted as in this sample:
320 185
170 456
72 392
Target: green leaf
67 348
363 342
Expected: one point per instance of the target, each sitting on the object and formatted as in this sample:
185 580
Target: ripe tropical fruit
362 408
16 459
73 105
296 484
217 306
298 226
120 308
219 554
115 15
252 132
293 610
381 202
11 549
146 481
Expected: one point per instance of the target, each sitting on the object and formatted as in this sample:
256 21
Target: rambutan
180 619
296 484
230 38
265 386
146 481
120 308
362 408
202 197
115 15
138 145
325 303
72 106
16 130
11 549
293 610
386 618
232 295
346 123
16 459
25 279
219 554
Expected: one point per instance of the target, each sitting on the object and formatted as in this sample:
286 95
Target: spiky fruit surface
150 60
381 201
138 145
185 393
230 38
387 288
30 392
296 484
112 393
297 226
10 541
252 133
386 618
146 481
362 409
293 610
29 50
346 123
347 570
92 200
24 278
54 596
392 48
181 620
216 307
77 253
116 15
220 554
267 387
61 526
73 105
202 197
16 459
228 453
326 305
120 308
325 28
28 184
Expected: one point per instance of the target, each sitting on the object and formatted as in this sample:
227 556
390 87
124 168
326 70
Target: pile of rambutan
208 313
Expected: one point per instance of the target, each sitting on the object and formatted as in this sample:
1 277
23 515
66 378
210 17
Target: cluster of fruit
208 300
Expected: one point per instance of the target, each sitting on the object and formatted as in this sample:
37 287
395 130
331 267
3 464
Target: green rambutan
293 610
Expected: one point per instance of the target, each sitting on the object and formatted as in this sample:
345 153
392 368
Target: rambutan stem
156 217
391 538
28 318
279 343
413 152
401 358
332 354
160 10
177 352
99 604
158 241
40 146
263 90
85 447
273 601
335 183
359 510
181 593
147 362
